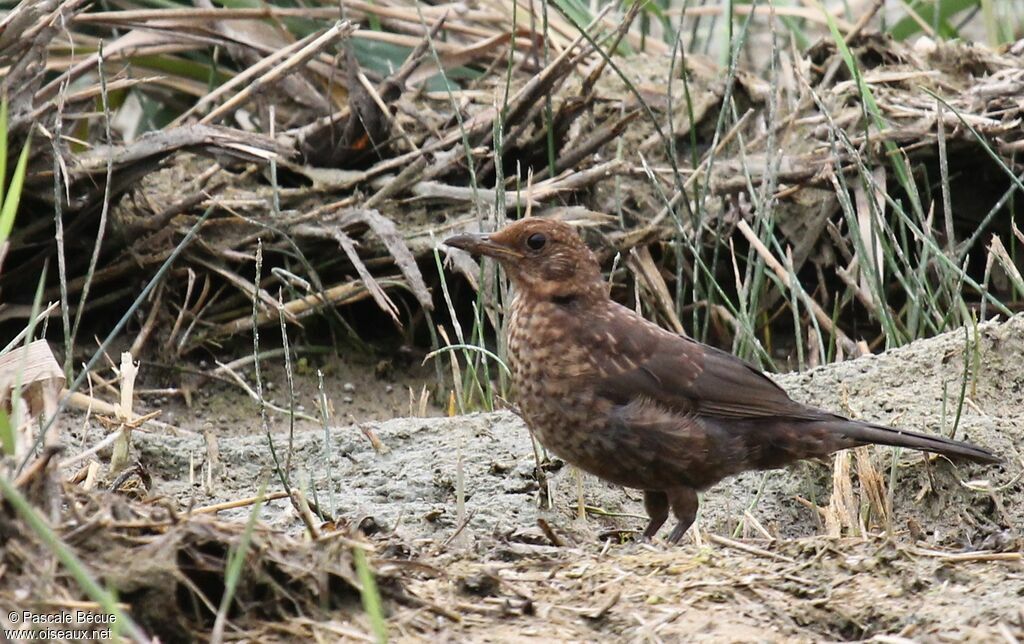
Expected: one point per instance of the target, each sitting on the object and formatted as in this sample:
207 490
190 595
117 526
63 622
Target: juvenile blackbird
639 406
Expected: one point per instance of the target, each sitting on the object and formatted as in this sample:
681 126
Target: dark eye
536 241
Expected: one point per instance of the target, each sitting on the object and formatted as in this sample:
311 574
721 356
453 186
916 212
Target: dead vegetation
202 173
168 571
358 172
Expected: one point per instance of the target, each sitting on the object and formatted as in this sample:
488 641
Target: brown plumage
634 404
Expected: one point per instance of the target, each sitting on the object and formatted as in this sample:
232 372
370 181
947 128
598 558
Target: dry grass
260 168
169 567
353 161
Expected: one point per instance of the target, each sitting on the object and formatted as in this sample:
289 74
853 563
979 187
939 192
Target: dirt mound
918 549
411 487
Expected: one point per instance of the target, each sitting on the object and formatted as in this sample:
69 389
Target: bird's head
545 259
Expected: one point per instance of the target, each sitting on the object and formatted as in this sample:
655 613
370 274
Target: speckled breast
547 364
550 368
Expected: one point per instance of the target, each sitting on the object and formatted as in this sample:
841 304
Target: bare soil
770 559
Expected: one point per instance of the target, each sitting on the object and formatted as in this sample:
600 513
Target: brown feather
639 406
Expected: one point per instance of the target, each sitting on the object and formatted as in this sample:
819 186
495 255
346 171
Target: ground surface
762 564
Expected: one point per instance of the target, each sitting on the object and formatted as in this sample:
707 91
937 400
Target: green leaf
373 19
381 57
575 11
579 14
197 70
926 10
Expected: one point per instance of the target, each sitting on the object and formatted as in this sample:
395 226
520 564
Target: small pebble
348 387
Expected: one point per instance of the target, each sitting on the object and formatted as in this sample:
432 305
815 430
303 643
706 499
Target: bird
640 406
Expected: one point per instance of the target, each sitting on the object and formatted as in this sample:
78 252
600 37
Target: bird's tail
865 433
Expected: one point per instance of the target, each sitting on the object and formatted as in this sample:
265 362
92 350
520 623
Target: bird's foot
677 532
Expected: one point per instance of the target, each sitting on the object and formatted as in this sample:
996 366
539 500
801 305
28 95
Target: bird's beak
481 244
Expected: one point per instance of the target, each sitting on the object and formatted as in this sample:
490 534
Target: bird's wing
685 375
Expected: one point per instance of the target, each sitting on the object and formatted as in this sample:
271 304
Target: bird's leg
656 504
684 506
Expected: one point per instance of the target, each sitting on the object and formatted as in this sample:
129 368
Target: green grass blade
13 196
372 603
233 569
6 434
3 156
467 348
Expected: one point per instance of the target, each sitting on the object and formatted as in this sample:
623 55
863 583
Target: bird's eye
536 241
